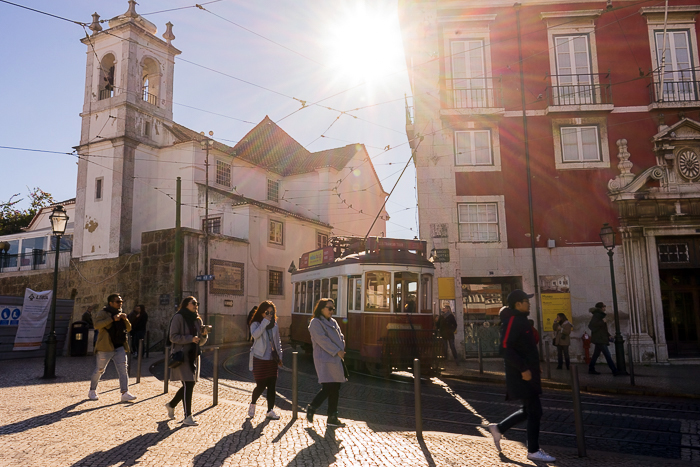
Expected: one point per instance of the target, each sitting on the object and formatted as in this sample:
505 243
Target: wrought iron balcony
675 91
579 90
473 93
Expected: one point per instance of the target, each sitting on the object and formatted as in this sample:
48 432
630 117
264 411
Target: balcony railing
474 93
106 93
37 259
148 97
674 91
581 89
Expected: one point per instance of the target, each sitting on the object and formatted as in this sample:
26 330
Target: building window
223 174
273 190
580 144
275 282
469 83
147 129
573 84
321 240
677 75
99 184
478 222
214 224
276 232
674 253
473 147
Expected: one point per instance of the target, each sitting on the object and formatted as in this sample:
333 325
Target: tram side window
324 288
405 292
302 297
354 293
334 295
297 286
310 297
426 293
378 291
317 292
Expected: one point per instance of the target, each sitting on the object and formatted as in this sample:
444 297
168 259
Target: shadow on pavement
216 455
510 461
48 419
426 453
128 453
326 446
281 434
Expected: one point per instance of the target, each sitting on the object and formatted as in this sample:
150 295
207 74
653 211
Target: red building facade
611 93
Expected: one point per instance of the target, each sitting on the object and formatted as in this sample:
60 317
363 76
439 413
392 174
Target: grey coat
182 340
327 340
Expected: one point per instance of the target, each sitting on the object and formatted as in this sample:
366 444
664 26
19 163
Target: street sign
207 277
442 255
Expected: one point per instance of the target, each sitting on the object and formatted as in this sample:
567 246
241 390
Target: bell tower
128 99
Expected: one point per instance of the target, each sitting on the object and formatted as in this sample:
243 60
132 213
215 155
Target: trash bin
79 339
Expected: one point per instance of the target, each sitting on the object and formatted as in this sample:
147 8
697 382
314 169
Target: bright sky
310 50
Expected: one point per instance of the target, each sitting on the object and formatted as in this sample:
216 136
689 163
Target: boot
310 411
333 420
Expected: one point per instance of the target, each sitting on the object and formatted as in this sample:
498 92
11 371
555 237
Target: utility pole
178 242
207 143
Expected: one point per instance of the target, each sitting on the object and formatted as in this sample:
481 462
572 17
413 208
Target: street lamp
607 236
59 221
206 144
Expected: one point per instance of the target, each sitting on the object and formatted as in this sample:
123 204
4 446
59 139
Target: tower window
106 83
98 188
273 190
223 173
150 77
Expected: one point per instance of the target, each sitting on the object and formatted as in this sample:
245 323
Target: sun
366 44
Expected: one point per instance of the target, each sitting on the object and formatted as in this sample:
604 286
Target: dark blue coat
519 350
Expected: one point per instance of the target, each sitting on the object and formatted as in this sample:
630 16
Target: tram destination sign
316 257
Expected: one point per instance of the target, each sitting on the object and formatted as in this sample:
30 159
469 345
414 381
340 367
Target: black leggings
268 383
330 391
186 391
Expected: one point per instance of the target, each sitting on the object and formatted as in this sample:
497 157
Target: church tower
128 100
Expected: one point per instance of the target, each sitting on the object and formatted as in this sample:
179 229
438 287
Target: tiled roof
270 147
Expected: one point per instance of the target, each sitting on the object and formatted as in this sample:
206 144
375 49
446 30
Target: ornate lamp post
59 221
4 248
607 236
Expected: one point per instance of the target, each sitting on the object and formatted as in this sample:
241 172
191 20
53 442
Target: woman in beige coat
187 334
562 339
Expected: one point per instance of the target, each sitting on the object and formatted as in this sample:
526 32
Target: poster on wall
556 298
229 277
32 322
9 314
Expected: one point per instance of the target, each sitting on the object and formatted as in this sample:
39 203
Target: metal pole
216 376
478 349
578 416
546 360
416 389
619 341
50 360
148 344
129 359
206 233
629 354
295 385
138 361
177 276
166 369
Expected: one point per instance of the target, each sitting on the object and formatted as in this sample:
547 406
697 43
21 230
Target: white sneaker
189 421
127 396
171 411
272 415
251 411
92 395
493 428
540 456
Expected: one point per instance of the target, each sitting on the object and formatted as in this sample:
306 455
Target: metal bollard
546 360
578 416
129 359
148 344
166 369
416 389
138 361
631 361
216 377
295 385
480 354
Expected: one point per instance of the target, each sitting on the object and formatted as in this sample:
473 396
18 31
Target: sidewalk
54 424
650 380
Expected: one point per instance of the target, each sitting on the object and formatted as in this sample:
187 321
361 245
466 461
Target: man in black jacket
447 325
522 362
600 337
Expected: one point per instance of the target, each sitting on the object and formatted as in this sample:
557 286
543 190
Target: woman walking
265 356
187 334
329 351
562 339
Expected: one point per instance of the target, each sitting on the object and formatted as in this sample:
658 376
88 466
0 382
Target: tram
382 288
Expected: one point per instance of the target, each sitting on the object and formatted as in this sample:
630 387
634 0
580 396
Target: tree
13 220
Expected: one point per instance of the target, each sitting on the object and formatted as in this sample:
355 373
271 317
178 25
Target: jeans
599 348
330 391
184 394
102 360
563 349
268 383
452 346
532 412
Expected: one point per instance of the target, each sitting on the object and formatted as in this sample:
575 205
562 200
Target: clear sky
345 53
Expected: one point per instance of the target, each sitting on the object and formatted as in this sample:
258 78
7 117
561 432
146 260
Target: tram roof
378 257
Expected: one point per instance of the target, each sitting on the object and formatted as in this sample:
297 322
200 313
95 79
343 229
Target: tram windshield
378 291
405 292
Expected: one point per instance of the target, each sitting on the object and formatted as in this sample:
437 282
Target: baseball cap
518 295
599 305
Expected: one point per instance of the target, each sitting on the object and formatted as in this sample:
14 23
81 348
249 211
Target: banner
32 322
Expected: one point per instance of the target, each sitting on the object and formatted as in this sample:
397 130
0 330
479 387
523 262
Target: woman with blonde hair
265 356
329 350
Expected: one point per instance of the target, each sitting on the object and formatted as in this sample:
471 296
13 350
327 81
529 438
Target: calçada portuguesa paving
53 423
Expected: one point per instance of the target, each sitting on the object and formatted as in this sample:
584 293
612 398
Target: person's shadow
48 418
128 453
326 444
230 444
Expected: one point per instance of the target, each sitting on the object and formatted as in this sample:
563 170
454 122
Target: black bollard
480 354
138 361
148 344
631 362
216 377
166 369
578 416
129 360
295 386
416 389
546 360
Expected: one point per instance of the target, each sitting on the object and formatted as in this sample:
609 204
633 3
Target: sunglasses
194 303
267 313
119 301
331 308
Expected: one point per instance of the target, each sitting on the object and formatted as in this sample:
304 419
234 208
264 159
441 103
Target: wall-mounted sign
228 302
205 277
164 299
9 315
442 255
229 277
555 297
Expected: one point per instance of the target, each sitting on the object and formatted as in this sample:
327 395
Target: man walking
112 326
447 325
600 337
522 362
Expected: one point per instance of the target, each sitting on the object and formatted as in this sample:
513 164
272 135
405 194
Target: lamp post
607 236
59 221
206 144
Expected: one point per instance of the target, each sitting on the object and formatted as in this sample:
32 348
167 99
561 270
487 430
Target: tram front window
378 291
426 300
405 292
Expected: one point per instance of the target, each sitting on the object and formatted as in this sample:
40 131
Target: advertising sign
32 322
555 296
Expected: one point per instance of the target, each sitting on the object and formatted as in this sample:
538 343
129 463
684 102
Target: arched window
150 77
106 83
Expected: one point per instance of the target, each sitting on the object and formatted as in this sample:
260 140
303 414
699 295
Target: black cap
518 295
599 305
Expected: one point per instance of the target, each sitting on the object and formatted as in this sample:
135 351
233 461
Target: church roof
270 147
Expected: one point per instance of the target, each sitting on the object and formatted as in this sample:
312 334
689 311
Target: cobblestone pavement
53 423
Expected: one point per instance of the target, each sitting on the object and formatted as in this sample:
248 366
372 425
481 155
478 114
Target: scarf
193 351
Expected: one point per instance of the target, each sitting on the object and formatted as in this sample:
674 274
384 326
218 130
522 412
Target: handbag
274 354
345 369
176 359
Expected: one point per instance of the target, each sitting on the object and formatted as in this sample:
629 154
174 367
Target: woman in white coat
329 351
265 356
